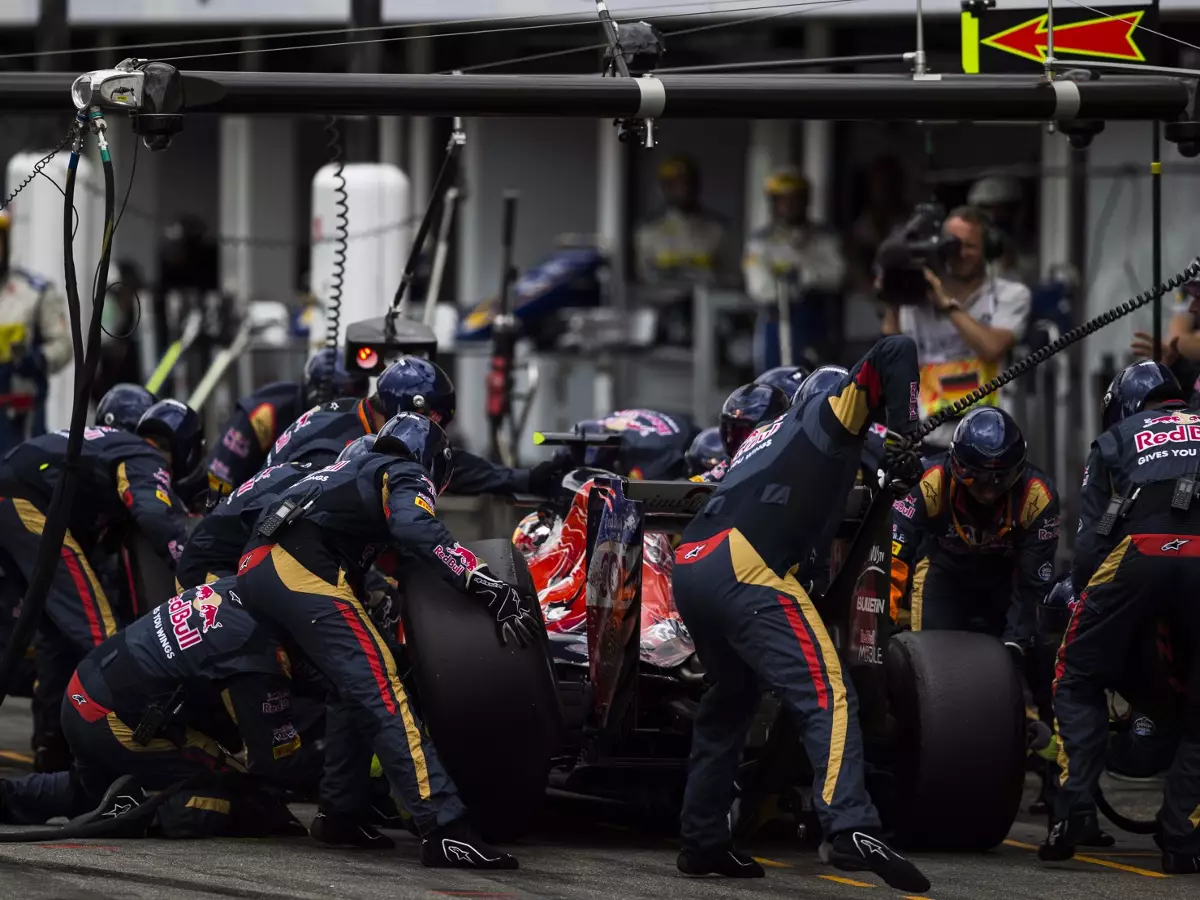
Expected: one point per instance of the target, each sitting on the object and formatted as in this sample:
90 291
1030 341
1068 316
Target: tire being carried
491 710
960 754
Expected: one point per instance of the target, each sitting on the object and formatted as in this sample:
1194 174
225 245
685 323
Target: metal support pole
1049 39
919 56
1156 234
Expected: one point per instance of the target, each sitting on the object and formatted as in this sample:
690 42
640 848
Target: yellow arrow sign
1109 37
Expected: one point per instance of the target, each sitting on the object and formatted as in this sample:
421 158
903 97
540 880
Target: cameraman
967 322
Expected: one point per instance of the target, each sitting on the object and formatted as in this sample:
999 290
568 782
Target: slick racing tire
491 710
959 761
152 582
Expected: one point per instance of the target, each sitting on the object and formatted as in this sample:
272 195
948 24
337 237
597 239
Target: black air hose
55 529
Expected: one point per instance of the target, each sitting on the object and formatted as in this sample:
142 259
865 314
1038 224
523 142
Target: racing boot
862 851
343 830
1180 863
720 861
457 846
1067 834
121 806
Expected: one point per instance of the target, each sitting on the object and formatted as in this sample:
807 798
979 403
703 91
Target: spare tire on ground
491 710
960 755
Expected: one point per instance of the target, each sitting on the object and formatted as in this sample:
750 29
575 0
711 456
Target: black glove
546 476
903 466
513 618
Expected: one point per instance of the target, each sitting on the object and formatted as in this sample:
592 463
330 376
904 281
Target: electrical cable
1133 826
37 170
677 33
1040 356
333 307
587 18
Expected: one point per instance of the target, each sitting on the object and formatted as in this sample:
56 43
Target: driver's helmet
706 451
987 453
745 409
786 378
1054 610
822 381
1134 386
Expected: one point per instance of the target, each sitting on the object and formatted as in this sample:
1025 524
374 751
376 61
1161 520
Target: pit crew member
163 700
411 384
304 572
787 378
123 479
756 628
988 522
1136 556
744 410
122 406
706 453
262 416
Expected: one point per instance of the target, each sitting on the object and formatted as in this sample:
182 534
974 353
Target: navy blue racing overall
219 681
307 578
1147 565
754 626
255 425
215 545
123 480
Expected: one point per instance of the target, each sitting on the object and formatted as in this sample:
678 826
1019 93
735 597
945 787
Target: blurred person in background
188 262
886 209
793 256
684 243
968 324
1181 343
35 342
1000 198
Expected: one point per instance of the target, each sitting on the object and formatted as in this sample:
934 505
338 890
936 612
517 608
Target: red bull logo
207 602
457 557
180 612
1144 440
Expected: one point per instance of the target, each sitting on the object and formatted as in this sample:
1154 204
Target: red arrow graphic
1110 37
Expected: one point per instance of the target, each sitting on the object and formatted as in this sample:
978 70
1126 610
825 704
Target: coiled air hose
55 529
333 307
37 169
1041 355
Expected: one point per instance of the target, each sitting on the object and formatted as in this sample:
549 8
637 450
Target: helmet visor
985 484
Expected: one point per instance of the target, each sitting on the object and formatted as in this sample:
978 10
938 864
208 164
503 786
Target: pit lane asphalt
581 850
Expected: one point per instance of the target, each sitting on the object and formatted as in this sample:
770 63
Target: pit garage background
253 184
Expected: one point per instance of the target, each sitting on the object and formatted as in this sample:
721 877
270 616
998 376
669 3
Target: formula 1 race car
605 707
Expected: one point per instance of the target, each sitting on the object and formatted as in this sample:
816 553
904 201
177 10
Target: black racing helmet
178 430
787 378
747 408
123 406
987 453
420 439
414 384
358 447
707 450
1136 385
326 377
822 381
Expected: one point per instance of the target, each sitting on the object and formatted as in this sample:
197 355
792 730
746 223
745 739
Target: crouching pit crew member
988 521
123 480
304 572
167 699
261 417
411 384
1137 555
756 628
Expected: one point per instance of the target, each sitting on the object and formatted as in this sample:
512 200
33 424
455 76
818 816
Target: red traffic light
367 358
